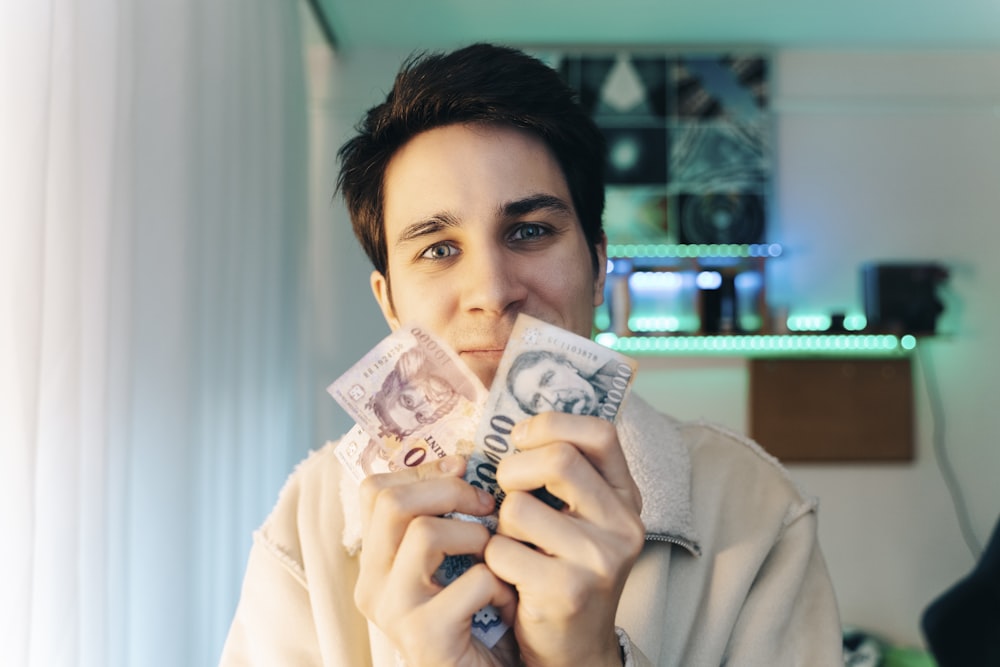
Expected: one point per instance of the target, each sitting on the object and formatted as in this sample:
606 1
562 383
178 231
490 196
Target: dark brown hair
478 83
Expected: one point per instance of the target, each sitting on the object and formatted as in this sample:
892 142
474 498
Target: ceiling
830 24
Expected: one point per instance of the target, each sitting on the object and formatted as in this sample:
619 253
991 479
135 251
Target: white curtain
152 308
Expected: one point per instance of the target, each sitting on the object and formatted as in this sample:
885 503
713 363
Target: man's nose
492 282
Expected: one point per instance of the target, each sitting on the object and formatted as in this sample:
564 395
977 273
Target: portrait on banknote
544 369
412 399
545 381
416 393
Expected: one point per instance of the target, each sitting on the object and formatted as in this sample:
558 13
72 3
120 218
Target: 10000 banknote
411 397
415 399
545 369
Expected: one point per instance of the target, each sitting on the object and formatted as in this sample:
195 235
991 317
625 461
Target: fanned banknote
415 399
363 455
412 398
543 369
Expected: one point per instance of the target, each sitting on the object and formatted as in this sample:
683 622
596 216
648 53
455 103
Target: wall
880 155
894 156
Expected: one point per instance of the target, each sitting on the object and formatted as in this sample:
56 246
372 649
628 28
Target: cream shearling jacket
731 573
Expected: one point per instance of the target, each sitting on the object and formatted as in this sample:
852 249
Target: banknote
415 399
363 455
543 369
412 398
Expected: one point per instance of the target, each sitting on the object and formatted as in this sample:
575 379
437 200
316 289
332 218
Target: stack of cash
413 399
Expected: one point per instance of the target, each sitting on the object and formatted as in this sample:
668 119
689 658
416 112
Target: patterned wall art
688 142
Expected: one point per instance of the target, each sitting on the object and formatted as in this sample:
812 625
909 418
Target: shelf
770 345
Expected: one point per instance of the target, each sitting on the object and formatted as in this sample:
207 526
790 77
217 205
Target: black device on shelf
902 297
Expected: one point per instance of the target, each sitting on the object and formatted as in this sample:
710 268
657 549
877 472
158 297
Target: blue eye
528 231
440 251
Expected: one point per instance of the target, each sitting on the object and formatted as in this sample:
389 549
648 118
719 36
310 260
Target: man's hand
570 565
405 540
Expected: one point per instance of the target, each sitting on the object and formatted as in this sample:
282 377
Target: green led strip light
765 345
685 250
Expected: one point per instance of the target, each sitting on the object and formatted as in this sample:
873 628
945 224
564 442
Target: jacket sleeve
297 606
790 615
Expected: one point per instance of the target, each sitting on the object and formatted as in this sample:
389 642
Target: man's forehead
494 165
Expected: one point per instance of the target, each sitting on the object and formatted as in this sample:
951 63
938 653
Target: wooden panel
833 409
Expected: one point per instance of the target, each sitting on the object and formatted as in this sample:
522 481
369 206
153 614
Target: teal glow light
655 280
855 322
764 345
751 321
908 342
602 318
685 250
808 322
654 324
606 339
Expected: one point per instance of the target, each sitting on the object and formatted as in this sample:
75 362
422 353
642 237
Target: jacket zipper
673 539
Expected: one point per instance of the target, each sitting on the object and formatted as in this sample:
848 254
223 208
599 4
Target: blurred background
178 283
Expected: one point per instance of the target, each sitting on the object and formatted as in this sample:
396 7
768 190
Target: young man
476 189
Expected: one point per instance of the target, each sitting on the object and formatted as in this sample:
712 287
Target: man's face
418 403
554 386
480 226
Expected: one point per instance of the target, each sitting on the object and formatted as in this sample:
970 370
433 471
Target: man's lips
482 346
483 352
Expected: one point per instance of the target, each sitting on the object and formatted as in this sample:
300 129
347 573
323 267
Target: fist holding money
545 369
413 398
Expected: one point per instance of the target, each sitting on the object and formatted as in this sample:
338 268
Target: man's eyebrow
532 204
513 209
431 225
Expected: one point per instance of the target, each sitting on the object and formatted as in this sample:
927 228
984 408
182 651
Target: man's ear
380 289
602 270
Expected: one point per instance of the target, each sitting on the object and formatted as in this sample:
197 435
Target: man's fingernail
485 499
452 464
